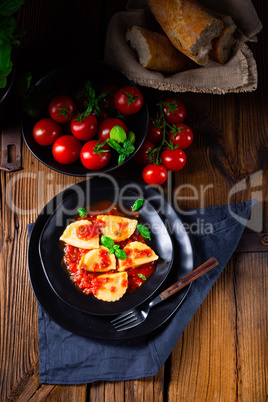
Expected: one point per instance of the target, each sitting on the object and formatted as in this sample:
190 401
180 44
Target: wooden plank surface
221 355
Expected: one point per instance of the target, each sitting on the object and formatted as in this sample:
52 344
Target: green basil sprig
144 231
124 151
82 212
113 248
137 204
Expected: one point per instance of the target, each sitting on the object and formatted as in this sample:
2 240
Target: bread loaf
189 26
222 46
156 52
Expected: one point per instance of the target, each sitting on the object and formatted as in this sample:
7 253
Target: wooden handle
192 276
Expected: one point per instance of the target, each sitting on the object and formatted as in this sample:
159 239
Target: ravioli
117 228
98 260
81 234
137 254
110 287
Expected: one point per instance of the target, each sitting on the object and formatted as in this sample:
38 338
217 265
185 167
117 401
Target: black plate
100 327
68 79
51 253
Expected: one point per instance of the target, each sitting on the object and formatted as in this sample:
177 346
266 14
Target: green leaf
8 7
137 204
144 231
129 148
82 212
3 82
120 254
114 144
5 51
143 277
7 25
131 137
107 242
121 158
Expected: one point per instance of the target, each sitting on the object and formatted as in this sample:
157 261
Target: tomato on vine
62 108
181 135
173 159
142 156
174 110
128 100
155 131
154 174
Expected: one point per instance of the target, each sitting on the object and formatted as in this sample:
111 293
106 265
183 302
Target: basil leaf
113 249
137 204
144 231
82 212
8 7
121 158
129 147
114 144
142 277
120 254
107 242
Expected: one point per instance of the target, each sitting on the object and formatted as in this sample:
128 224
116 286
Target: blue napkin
66 358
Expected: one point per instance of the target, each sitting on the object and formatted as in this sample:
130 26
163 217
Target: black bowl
51 253
68 79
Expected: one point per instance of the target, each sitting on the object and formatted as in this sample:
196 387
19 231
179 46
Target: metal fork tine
122 316
131 325
125 322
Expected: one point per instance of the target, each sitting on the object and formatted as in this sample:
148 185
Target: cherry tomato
175 110
46 131
66 149
106 126
173 159
62 108
128 100
154 174
181 136
154 133
141 157
108 100
86 128
95 156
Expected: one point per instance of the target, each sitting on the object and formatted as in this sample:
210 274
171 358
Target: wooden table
221 354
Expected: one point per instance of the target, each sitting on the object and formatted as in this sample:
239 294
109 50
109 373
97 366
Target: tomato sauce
88 282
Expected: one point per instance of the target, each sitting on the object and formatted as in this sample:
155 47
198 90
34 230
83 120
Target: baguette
222 46
189 26
156 52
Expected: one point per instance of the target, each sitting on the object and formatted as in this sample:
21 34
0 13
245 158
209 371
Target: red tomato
106 126
173 159
154 133
141 157
84 129
66 149
128 100
181 136
62 108
175 110
154 174
108 100
95 156
46 131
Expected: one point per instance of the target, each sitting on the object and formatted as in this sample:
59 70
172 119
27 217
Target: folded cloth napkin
66 358
239 74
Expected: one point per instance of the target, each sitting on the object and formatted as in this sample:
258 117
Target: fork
134 317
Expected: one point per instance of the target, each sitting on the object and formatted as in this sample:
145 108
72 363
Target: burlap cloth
238 75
